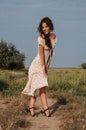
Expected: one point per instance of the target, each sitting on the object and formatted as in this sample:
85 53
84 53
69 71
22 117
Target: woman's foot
46 112
31 110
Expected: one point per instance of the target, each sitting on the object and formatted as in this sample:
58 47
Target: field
66 86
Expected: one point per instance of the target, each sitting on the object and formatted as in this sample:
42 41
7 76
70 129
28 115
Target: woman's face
45 28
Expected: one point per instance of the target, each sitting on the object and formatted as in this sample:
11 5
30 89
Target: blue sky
19 20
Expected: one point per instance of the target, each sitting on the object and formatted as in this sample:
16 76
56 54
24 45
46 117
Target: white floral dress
36 78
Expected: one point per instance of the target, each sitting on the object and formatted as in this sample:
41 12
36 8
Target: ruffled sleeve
53 42
41 41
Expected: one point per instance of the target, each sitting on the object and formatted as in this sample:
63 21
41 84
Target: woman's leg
43 96
31 104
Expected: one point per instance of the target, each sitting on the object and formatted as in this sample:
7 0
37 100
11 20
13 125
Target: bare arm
41 54
49 59
42 58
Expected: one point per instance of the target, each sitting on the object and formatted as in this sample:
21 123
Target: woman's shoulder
54 39
41 40
40 37
52 36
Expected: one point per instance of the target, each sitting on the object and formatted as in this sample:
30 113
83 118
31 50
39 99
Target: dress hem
30 94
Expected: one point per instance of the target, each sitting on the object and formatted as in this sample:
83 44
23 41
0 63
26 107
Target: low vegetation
67 86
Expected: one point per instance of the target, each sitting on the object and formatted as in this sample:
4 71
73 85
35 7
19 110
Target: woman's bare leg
31 104
43 96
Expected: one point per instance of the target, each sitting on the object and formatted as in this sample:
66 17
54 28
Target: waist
38 60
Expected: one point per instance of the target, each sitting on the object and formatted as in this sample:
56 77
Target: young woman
39 68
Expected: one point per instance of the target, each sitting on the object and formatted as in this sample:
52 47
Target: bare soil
63 117
38 122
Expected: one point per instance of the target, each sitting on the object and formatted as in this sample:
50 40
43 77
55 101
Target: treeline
10 57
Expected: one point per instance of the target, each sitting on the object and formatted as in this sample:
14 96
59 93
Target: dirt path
40 121
45 123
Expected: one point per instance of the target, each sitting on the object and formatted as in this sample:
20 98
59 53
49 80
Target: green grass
12 82
68 81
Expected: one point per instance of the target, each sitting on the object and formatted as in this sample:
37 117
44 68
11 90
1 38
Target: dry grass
13 116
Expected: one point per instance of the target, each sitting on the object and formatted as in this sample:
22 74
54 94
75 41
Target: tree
3 54
83 65
10 57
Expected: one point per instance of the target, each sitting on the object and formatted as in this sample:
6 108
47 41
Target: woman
39 68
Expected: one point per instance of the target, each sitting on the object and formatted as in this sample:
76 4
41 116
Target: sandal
29 110
44 112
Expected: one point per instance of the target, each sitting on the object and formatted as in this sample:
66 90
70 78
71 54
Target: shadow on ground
53 108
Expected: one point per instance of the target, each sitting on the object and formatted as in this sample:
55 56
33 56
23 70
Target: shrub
10 57
83 65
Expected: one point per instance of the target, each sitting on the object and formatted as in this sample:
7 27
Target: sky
19 20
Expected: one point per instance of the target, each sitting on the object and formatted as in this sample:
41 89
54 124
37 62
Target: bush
83 65
10 57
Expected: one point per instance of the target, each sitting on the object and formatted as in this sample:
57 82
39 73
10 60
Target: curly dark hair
48 21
